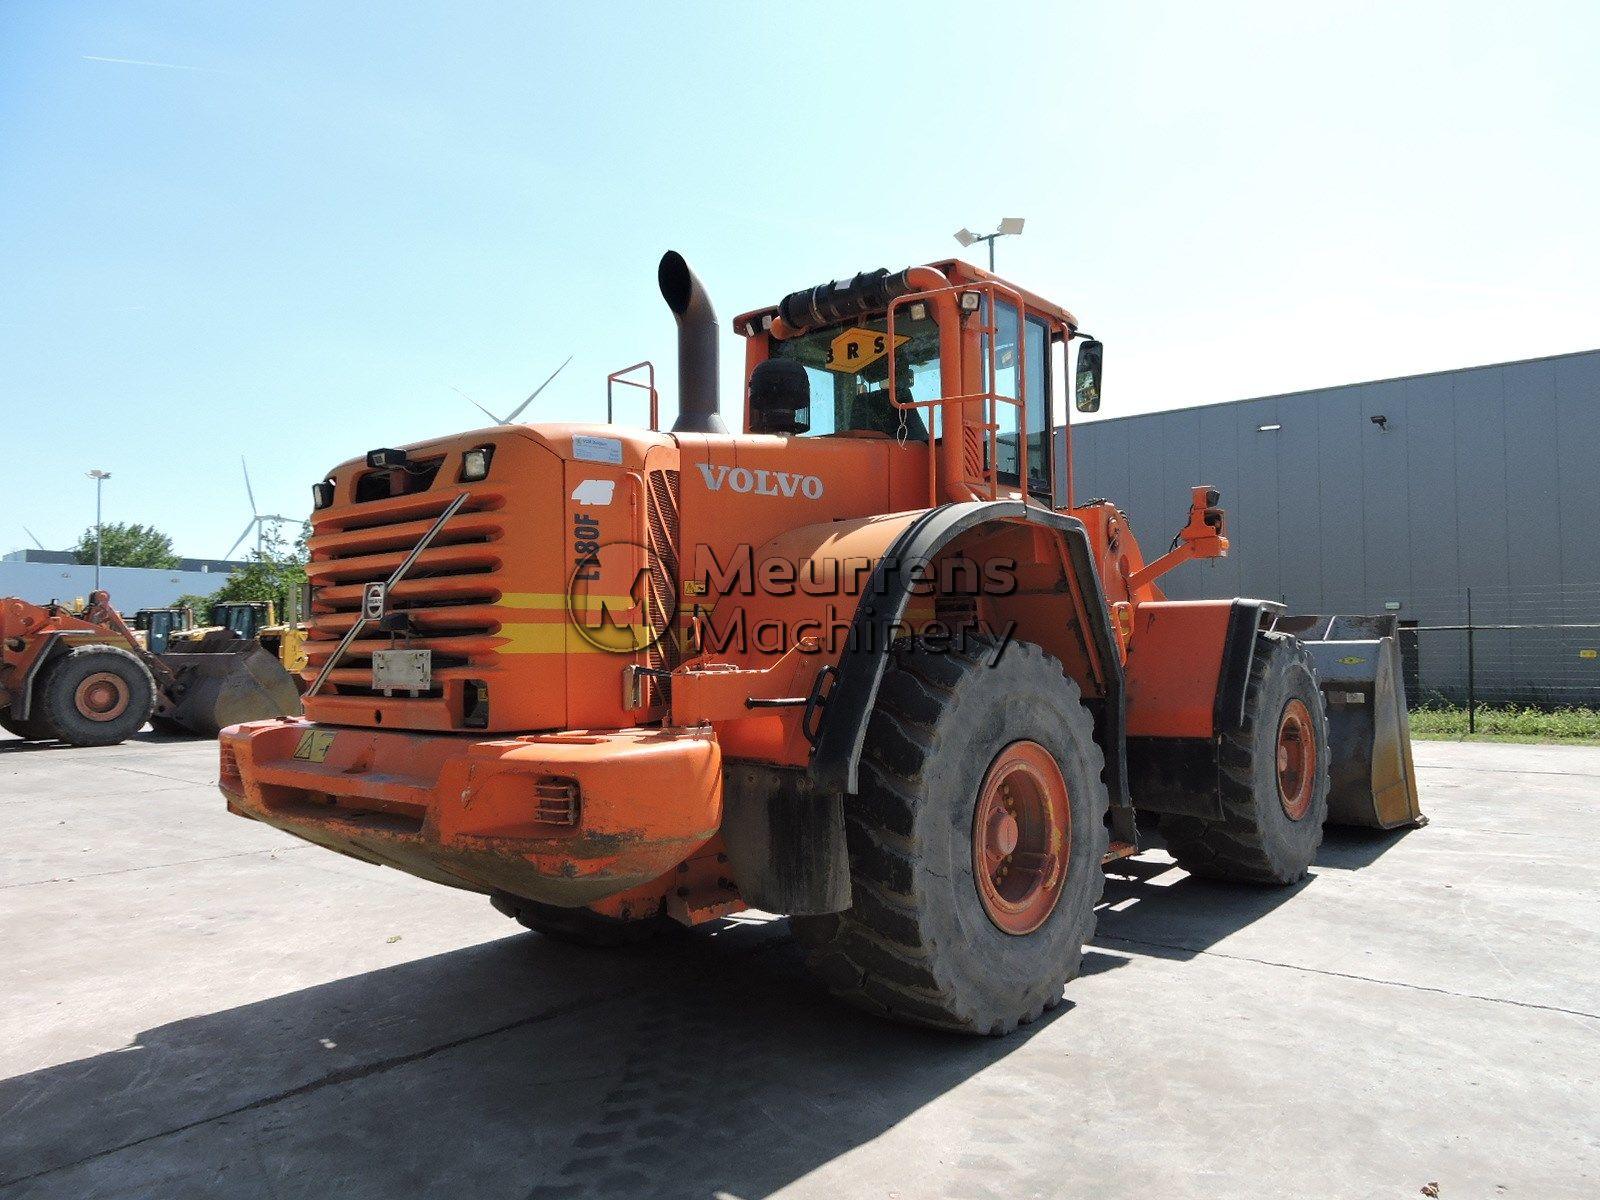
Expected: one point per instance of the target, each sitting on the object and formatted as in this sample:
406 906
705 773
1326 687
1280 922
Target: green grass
1509 723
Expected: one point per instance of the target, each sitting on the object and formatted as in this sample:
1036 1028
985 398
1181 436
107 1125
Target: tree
124 545
271 574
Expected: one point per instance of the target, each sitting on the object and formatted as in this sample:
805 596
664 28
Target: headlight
322 494
475 464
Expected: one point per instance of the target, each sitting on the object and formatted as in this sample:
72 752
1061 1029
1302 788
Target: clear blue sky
286 230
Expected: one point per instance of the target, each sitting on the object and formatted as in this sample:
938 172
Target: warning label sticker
597 449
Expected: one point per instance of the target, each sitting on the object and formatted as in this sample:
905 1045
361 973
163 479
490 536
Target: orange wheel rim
1021 838
1297 760
102 696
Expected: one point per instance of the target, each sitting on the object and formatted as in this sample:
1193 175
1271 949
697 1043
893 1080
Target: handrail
649 385
990 477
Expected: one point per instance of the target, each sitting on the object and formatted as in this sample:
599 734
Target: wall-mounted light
1268 428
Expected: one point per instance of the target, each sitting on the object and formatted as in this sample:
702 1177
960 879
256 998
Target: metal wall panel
1576 459
1487 477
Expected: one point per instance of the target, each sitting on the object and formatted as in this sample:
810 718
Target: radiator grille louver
665 651
447 598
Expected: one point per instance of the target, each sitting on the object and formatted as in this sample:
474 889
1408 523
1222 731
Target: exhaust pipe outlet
699 410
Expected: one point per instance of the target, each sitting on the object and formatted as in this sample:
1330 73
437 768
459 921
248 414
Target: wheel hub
1297 760
102 696
1021 838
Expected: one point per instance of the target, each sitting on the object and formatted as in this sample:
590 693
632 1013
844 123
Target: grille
662 610
555 800
446 598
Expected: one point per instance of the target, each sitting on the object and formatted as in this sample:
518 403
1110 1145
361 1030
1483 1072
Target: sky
286 232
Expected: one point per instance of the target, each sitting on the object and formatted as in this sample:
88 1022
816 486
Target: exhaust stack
699 410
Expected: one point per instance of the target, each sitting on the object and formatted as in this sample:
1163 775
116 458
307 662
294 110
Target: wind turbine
258 519
517 412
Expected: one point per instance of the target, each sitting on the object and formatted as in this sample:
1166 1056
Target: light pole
1009 226
99 478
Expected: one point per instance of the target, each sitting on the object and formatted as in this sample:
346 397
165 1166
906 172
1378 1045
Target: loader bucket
222 683
1373 781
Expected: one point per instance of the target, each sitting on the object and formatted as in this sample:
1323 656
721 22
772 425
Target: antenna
34 536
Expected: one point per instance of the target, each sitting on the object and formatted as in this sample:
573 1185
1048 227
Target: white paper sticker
595 491
597 449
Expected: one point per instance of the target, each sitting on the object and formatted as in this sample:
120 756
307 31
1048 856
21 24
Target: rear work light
475 464
380 459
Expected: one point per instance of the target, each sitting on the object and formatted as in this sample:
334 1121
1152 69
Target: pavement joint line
1509 771
187 862
354 1073
1415 987
174 778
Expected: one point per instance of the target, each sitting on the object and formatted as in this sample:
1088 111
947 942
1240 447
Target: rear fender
53 645
1043 609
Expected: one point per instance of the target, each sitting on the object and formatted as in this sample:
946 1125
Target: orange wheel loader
868 663
87 679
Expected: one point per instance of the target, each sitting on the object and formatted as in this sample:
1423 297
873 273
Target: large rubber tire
34 729
577 926
1257 841
918 943
63 688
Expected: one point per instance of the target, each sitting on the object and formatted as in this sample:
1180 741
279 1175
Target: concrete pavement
197 1005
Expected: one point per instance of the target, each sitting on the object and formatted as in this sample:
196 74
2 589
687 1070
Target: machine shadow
1349 847
711 1063
1152 907
14 745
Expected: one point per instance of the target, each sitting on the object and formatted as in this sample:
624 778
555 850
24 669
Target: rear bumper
564 818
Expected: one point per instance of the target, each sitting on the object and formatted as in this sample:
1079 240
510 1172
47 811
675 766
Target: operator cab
821 364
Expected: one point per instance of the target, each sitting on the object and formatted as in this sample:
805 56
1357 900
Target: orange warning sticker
857 348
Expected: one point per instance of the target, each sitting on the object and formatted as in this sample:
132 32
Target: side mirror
1087 391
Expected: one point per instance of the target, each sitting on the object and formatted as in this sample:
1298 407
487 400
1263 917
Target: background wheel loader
88 679
868 663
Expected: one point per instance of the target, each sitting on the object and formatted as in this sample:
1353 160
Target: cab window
848 368
1031 347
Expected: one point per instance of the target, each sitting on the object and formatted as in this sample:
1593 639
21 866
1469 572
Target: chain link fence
1535 645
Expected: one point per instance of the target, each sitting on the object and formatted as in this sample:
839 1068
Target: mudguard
836 756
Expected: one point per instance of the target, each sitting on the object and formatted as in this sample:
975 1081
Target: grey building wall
224 565
131 588
1485 477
